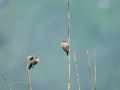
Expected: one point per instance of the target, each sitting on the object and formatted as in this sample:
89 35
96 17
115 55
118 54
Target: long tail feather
67 53
30 66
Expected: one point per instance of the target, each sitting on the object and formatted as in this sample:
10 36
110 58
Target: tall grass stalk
28 74
89 70
76 71
6 81
68 51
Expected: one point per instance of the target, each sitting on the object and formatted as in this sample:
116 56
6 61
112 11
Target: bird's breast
64 46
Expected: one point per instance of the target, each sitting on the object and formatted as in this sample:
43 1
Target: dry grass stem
28 74
95 69
89 69
76 71
6 81
69 51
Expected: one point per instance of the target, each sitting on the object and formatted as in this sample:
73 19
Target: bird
64 46
34 60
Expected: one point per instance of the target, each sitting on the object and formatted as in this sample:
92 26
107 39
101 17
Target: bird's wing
67 47
32 57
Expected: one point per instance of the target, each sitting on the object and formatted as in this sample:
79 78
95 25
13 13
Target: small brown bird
34 60
64 46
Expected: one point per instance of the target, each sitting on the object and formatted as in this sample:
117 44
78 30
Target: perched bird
34 60
64 46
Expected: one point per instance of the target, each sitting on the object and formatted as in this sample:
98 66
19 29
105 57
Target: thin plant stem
95 69
76 71
28 74
89 70
6 81
68 51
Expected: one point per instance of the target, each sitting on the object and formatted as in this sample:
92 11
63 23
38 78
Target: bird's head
64 41
36 57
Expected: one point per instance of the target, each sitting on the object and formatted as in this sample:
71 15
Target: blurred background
37 27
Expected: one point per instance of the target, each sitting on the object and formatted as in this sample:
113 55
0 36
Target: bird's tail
67 53
30 66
